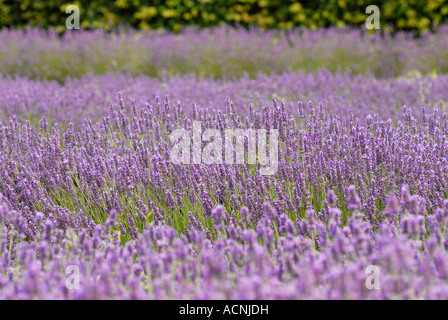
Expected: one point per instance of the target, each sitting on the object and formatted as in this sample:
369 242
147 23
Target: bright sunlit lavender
231 162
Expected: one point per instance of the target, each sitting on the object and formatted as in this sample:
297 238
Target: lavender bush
92 207
91 96
218 53
106 199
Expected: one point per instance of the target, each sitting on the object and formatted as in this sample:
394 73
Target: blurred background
204 51
175 15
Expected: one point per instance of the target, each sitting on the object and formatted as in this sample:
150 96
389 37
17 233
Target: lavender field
93 207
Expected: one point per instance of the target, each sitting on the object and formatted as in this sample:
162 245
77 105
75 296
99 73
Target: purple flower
353 200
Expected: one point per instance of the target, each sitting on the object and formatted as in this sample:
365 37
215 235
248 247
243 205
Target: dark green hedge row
419 15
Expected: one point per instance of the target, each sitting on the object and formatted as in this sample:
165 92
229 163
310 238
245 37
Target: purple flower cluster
89 97
318 260
92 207
103 199
219 53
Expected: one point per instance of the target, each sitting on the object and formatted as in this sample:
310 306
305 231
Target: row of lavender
310 259
105 199
218 53
90 97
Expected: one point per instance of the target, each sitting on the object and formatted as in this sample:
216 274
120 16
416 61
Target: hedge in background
418 15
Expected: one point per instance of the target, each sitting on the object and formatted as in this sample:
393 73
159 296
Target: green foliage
417 15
